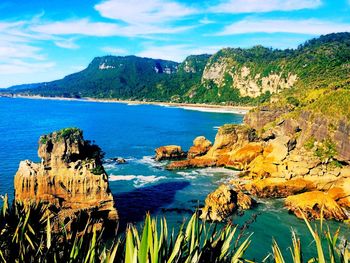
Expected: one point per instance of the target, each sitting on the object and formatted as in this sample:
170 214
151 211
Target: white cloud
102 29
66 43
206 21
17 66
114 50
260 6
307 26
176 52
146 11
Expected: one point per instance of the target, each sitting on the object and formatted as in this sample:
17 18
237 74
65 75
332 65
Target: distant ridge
230 76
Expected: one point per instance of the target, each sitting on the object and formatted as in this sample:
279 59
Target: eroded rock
223 202
311 203
279 187
201 146
169 152
70 177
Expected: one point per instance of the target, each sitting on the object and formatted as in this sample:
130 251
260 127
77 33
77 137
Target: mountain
231 76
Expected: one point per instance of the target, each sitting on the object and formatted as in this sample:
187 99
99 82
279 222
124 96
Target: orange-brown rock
70 177
169 152
311 203
201 146
223 202
199 162
228 139
243 156
341 192
278 187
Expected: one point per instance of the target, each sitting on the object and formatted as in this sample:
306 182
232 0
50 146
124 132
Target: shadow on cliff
132 206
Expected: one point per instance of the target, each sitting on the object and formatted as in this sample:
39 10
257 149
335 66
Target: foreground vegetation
26 235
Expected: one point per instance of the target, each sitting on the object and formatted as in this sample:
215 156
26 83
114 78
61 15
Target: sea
143 185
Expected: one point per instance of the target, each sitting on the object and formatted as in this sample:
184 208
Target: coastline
186 106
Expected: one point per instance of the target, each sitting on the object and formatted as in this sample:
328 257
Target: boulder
70 177
311 203
201 146
278 187
223 202
169 152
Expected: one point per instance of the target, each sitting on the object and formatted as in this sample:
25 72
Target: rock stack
70 177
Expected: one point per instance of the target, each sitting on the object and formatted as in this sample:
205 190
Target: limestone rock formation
223 202
69 177
169 152
221 69
201 146
312 203
228 139
278 187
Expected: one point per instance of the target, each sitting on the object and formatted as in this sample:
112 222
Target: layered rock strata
70 177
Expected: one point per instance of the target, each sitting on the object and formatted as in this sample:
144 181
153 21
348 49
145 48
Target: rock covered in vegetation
69 177
223 202
169 152
313 204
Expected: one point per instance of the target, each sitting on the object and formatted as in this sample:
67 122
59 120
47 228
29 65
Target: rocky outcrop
70 177
169 152
201 146
313 204
278 187
228 139
223 202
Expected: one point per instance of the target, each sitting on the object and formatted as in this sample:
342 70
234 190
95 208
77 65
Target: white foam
139 180
150 161
188 175
110 166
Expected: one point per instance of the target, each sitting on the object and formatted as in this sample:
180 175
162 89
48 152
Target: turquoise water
133 132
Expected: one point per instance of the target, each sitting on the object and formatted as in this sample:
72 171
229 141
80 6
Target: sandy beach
186 106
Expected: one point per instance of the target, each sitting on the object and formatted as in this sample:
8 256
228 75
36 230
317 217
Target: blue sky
44 40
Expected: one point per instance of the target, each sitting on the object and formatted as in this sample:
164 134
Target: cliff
70 177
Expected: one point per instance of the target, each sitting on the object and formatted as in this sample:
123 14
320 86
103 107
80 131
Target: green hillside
231 76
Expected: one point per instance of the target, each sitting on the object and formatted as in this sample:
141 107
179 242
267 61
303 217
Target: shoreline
186 106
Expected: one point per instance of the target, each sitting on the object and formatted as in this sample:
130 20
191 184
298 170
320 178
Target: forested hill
231 76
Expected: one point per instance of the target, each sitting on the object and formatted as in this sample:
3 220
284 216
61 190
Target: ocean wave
139 180
150 161
188 175
211 171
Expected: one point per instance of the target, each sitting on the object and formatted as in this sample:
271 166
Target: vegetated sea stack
70 177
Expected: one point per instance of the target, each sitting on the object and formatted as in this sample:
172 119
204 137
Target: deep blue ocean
133 132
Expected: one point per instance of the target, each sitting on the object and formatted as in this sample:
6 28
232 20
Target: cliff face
240 77
70 177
